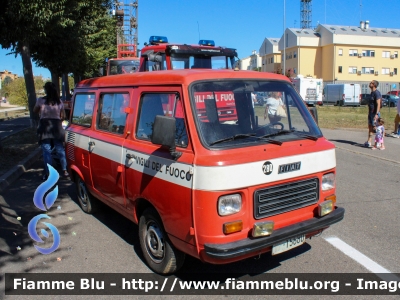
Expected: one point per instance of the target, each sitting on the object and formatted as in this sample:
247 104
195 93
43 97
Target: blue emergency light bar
206 43
155 39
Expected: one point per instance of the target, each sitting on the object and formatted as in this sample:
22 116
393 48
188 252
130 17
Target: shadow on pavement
348 143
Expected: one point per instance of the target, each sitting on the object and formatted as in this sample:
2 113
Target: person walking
374 108
50 130
395 133
272 106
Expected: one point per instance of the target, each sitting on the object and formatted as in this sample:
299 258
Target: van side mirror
164 129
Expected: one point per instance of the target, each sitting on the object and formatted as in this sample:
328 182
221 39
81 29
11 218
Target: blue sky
238 24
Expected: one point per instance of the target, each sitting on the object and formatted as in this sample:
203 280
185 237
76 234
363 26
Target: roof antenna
360 9
198 29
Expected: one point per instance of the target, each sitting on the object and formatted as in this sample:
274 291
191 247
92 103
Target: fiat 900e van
155 147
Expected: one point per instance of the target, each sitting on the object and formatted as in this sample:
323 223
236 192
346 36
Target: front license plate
288 244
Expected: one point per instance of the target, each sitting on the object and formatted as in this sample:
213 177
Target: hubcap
154 242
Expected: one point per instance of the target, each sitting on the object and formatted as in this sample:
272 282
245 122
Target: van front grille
282 198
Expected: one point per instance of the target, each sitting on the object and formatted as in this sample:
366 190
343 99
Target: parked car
261 98
365 98
394 92
390 100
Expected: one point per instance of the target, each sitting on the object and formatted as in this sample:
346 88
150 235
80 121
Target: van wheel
87 202
161 256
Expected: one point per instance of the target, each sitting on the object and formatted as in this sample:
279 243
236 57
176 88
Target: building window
368 53
385 71
367 70
352 70
294 70
272 60
386 54
294 54
353 52
340 69
396 54
395 71
340 52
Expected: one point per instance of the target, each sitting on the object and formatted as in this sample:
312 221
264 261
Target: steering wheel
272 125
270 128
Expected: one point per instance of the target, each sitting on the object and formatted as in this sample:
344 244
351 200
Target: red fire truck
126 62
161 55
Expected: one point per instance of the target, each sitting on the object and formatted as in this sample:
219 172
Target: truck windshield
228 113
187 61
123 66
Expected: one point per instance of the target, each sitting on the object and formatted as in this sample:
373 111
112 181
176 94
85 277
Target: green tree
44 30
16 90
7 80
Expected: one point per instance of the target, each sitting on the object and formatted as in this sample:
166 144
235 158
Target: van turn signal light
232 227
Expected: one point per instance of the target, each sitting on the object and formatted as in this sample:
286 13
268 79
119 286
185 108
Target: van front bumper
256 245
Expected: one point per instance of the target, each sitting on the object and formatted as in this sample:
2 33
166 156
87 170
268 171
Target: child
380 133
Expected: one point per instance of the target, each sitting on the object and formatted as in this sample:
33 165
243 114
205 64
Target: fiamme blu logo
43 199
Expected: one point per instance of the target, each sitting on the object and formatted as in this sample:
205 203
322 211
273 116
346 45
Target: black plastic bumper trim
249 245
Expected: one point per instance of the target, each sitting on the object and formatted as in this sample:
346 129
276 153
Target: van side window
165 104
83 109
111 113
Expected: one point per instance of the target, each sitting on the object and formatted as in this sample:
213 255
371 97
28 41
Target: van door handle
130 156
91 146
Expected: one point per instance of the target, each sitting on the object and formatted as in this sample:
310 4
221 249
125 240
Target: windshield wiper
307 136
233 137
272 141
281 132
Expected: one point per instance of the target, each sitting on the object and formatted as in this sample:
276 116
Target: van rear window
83 109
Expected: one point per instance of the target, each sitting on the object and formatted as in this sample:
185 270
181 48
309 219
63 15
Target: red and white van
196 184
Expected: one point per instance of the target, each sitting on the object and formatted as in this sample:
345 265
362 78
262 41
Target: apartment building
255 61
360 54
243 63
270 56
5 73
341 54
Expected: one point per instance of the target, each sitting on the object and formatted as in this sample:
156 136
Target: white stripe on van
216 178
249 174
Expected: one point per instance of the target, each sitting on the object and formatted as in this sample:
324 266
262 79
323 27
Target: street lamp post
284 37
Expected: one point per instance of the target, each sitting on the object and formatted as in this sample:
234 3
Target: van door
150 171
78 134
106 145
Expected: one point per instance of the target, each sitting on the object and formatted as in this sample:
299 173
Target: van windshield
228 113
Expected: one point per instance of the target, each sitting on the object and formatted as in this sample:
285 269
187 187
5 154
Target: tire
391 104
87 202
161 256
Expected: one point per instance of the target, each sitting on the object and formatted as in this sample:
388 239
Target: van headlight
328 181
229 204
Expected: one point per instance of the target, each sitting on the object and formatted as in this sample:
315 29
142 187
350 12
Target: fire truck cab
126 62
161 55
152 146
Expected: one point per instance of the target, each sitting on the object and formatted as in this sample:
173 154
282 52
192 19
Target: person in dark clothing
374 107
50 130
